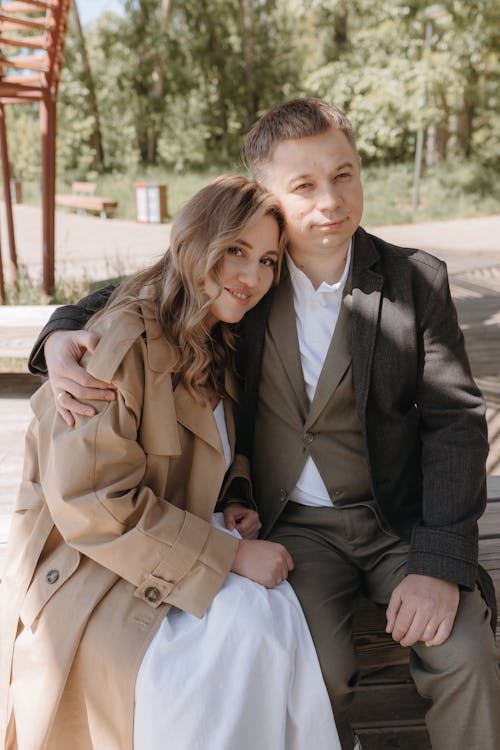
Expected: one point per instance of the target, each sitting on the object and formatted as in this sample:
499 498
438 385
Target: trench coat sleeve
67 318
92 478
237 485
454 448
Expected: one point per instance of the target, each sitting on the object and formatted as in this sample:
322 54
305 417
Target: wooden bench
82 199
388 713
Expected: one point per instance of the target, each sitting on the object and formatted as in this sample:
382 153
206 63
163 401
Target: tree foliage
177 82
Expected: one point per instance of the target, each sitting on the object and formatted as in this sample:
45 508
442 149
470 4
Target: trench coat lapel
195 416
283 331
199 418
366 304
336 362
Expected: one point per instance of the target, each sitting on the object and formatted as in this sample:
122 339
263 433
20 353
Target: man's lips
326 225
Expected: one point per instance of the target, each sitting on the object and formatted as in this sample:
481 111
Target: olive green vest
288 428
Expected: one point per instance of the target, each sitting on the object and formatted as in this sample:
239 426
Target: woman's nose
249 273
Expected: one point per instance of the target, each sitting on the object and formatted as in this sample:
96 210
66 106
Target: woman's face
246 272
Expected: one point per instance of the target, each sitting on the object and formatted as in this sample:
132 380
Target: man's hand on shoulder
422 608
69 381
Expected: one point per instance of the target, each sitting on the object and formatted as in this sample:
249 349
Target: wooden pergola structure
32 37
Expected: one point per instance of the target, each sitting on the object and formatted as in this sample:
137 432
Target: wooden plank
28 42
489 523
30 6
380 705
395 738
27 62
20 24
89 203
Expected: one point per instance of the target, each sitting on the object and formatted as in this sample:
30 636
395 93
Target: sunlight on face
246 272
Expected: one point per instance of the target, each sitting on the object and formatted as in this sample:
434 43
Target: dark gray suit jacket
421 413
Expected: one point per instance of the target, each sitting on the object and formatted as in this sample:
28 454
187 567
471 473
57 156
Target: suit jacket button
152 594
52 576
308 437
283 495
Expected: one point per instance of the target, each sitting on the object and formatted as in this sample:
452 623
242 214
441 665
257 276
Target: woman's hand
69 381
245 520
267 563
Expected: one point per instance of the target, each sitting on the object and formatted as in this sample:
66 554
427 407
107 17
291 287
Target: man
365 430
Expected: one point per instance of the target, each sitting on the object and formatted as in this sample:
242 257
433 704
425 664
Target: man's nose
329 197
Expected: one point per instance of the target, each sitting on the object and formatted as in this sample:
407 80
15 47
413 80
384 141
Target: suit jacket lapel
366 300
336 362
283 332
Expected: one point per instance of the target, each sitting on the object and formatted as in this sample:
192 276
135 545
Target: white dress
243 677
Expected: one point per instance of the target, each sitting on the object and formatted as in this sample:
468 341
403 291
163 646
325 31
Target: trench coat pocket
50 576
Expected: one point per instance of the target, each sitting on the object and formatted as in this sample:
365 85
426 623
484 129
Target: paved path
97 249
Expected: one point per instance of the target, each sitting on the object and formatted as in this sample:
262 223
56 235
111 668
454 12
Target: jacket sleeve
92 478
67 318
454 447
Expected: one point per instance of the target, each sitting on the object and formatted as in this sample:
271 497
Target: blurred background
163 90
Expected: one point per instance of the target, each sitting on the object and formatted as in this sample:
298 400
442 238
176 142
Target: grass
450 190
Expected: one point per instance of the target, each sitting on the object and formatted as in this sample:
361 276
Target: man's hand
422 608
267 563
63 351
245 520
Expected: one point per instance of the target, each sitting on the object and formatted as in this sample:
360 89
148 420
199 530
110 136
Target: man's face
318 183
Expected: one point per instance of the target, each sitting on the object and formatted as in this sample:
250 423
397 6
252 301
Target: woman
113 558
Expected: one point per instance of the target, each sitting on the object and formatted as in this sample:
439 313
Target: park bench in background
388 713
82 198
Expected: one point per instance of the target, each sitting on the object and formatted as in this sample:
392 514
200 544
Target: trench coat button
152 594
308 438
283 495
52 576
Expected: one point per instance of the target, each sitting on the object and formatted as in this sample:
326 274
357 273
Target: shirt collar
301 281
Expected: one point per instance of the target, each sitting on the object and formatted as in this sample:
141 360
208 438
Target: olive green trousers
341 552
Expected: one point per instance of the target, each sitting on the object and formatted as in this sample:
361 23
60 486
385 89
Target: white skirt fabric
243 677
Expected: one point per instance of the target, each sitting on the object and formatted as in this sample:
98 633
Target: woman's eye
268 262
234 251
303 186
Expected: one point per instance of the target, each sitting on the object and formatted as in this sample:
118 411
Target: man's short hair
296 118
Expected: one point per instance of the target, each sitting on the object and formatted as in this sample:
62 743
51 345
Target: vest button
52 576
152 594
307 437
283 495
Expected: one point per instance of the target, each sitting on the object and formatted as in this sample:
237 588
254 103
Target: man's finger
442 633
403 623
392 610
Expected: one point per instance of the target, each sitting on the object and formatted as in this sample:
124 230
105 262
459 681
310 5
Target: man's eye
303 186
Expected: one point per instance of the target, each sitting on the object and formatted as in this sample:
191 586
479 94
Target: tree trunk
438 135
248 24
98 160
465 118
218 64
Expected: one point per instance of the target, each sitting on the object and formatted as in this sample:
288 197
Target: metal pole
419 145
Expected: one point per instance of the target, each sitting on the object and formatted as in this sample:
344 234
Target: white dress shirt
316 313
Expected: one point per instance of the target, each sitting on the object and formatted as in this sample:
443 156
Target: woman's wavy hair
208 224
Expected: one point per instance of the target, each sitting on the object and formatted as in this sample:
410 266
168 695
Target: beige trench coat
111 526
